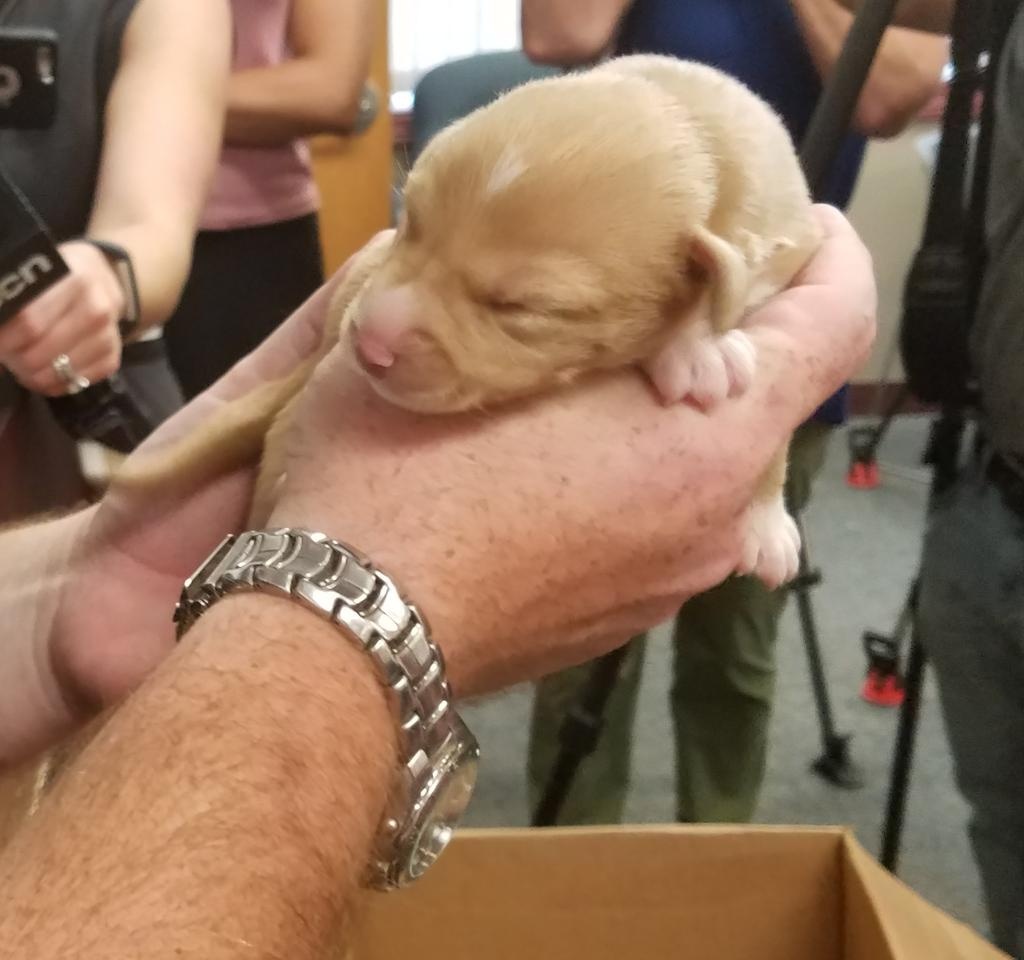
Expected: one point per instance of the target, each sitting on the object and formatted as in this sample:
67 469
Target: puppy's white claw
670 373
740 358
771 549
793 549
709 375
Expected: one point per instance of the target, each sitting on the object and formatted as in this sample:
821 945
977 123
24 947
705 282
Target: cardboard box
648 893
644 893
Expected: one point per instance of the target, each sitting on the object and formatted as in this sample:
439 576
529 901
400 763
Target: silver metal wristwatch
333 580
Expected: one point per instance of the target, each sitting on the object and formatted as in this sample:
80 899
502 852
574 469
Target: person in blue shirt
724 639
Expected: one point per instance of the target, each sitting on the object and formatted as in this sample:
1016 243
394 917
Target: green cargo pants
721 698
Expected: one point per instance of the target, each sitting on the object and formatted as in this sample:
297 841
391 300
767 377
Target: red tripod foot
882 689
863 476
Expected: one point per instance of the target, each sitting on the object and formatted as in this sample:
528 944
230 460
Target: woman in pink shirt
299 68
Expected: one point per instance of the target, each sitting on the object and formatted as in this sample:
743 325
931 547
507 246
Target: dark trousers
39 470
243 285
972 624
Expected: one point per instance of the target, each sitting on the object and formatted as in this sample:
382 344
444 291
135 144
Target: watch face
443 812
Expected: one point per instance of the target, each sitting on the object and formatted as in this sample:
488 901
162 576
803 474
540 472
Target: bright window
424 33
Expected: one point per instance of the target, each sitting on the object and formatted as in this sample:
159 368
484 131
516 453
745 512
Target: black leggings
243 284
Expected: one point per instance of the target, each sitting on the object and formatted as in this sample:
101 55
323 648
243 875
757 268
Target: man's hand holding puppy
532 539
543 536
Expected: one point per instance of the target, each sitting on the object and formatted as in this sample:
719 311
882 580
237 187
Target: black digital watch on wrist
121 262
108 412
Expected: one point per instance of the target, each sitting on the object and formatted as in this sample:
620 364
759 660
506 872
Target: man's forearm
935 16
270 106
317 89
568 32
904 75
244 781
34 566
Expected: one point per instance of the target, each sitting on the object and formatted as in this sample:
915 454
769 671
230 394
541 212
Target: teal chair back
451 90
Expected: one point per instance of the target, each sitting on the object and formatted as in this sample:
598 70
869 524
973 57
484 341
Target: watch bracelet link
336 582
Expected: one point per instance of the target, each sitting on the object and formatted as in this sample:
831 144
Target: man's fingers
294 341
280 353
843 261
808 346
813 337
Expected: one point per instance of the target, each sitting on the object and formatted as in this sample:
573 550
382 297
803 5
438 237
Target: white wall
888 209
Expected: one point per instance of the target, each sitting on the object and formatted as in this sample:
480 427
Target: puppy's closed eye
525 317
520 321
503 303
543 300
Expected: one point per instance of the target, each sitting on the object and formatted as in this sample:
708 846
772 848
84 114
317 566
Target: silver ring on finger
71 378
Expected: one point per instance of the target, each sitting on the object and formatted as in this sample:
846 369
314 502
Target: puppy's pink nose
386 317
375 356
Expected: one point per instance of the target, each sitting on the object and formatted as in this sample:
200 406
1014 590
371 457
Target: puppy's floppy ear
727 274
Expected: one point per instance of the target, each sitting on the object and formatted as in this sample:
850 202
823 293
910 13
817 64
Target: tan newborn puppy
629 215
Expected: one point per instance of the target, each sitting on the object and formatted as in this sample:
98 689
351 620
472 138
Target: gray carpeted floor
866 543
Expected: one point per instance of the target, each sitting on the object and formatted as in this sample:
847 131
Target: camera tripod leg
903 753
579 734
834 764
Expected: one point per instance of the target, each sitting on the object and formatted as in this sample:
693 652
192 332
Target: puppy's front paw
705 369
740 358
771 549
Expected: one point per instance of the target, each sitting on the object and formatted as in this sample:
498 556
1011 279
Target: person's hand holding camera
69 336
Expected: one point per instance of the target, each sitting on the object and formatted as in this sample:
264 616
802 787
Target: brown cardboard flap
912 927
647 893
614 894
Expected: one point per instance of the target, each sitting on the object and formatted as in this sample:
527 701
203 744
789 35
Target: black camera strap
1004 12
941 291
946 218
